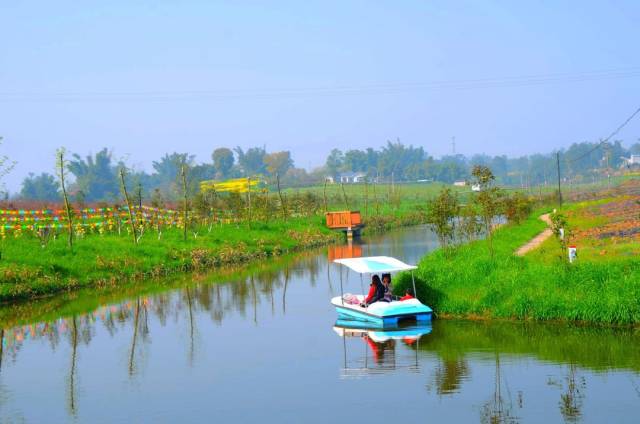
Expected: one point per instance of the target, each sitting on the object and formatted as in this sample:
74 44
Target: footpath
537 240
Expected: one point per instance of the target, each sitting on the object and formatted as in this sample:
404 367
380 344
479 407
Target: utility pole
559 189
453 145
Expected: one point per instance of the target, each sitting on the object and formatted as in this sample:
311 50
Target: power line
500 82
606 140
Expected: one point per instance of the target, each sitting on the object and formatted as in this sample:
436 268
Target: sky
145 78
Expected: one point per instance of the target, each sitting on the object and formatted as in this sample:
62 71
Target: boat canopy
375 264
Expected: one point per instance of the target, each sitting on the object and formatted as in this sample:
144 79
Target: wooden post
344 194
375 199
249 199
284 207
67 206
324 195
126 199
366 198
183 174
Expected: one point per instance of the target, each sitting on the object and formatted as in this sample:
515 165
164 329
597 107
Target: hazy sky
149 77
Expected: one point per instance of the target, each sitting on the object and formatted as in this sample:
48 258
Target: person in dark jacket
376 291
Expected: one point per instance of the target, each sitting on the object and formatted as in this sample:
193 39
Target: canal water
262 345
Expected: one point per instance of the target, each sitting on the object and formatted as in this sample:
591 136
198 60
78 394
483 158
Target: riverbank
28 270
602 286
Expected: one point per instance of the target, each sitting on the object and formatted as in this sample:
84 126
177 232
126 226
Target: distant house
329 179
460 183
632 160
352 177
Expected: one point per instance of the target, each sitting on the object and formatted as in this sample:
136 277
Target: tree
441 215
95 176
167 170
252 161
223 161
278 162
487 200
334 162
6 165
40 187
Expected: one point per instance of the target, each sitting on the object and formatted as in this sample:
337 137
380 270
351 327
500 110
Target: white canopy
375 264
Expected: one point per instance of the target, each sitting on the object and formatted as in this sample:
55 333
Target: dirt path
537 240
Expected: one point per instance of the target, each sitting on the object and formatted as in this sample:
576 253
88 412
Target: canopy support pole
413 280
341 290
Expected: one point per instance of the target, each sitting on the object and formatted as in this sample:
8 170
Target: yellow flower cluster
237 185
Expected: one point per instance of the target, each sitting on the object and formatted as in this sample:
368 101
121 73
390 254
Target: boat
382 314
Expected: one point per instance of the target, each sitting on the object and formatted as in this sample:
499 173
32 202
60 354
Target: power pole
453 145
559 189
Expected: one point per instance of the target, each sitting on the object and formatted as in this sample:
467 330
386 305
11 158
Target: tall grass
468 283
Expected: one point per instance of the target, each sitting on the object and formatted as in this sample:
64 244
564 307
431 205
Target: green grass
539 286
28 270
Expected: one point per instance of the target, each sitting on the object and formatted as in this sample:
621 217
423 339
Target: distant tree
167 171
223 161
6 166
355 161
251 162
335 162
635 148
40 187
441 214
278 162
95 176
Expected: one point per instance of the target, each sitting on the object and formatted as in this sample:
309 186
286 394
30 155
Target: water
260 346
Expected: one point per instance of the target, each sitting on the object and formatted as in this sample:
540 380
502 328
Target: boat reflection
385 350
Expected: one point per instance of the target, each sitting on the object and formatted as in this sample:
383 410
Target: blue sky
145 77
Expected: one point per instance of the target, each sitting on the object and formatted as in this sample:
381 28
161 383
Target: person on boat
376 291
408 294
388 291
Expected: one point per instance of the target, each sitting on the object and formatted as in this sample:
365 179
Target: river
262 345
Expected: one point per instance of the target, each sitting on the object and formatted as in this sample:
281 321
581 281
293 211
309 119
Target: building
352 177
632 160
460 183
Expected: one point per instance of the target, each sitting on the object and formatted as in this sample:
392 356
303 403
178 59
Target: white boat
380 313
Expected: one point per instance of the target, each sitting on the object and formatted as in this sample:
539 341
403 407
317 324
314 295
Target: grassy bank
539 286
29 270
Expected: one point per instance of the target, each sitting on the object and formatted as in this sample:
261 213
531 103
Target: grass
28 270
540 286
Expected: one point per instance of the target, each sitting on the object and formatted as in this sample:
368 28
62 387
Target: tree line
96 177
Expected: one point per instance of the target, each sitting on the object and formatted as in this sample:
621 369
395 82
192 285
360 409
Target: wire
501 82
606 140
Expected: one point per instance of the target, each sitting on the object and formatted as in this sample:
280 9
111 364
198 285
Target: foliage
487 200
517 207
95 176
251 162
561 231
40 187
223 161
441 216
278 162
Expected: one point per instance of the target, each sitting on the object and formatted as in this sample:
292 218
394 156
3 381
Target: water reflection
382 347
265 334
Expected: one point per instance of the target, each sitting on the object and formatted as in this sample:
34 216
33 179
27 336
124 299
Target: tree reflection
71 394
571 400
449 375
498 410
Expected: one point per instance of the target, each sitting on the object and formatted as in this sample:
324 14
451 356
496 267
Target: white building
352 177
633 160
